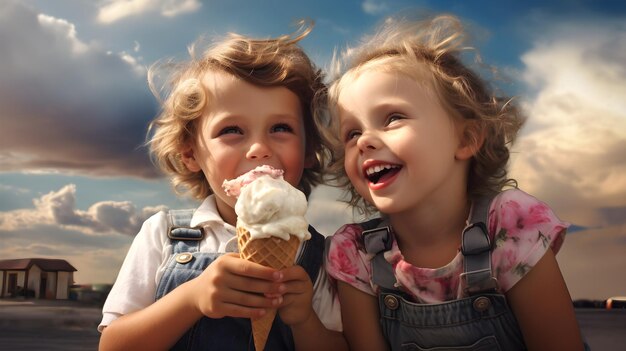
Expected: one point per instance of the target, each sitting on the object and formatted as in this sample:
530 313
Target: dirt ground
48 325
71 326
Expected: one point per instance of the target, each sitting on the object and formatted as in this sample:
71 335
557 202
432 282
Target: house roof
46 264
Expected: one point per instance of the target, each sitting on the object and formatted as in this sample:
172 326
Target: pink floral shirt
521 227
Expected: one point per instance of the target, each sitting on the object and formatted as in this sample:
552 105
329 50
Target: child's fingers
252 285
296 280
239 266
294 272
290 299
297 286
295 308
247 299
234 303
273 295
239 311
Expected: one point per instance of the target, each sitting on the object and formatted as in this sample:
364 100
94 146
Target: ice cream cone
272 252
271 224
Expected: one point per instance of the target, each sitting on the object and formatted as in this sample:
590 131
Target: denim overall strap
183 237
185 243
476 247
377 239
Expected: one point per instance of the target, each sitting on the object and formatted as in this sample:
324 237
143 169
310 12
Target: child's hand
234 287
296 306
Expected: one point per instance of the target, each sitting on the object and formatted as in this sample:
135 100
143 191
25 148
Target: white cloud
133 62
373 7
58 209
115 10
171 8
62 29
571 153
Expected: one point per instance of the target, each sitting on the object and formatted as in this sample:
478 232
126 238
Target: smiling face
402 149
242 127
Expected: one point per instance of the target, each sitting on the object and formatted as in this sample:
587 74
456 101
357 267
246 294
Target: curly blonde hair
263 62
430 51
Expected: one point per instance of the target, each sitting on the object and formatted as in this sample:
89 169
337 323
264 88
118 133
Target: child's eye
394 117
230 130
282 128
352 134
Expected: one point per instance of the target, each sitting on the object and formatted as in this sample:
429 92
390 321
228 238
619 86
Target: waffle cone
272 252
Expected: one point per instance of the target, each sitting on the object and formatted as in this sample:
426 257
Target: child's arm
297 311
544 309
360 316
226 288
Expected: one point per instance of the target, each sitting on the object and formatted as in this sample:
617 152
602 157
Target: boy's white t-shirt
146 260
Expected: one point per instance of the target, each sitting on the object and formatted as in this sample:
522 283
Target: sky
76 182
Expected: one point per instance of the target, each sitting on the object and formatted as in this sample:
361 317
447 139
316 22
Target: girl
242 104
454 262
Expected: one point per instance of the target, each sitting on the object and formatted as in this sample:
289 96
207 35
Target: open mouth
379 173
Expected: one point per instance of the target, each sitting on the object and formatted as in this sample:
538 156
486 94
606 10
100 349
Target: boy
244 103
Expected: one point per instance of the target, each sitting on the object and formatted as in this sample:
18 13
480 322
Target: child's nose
259 150
368 141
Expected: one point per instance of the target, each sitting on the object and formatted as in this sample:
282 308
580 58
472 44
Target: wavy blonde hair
430 51
274 62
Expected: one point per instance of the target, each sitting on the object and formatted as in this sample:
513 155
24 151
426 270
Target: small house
41 278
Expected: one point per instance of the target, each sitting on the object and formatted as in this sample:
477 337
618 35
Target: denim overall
480 321
225 333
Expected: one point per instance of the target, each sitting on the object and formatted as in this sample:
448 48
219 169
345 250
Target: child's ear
187 156
471 140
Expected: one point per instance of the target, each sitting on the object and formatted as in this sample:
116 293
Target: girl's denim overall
225 333
481 321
